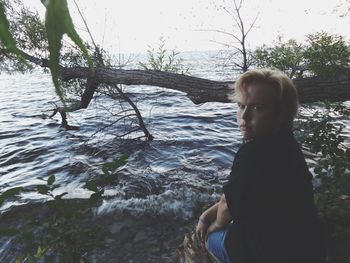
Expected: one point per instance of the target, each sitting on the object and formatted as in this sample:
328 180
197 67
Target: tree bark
199 90
333 88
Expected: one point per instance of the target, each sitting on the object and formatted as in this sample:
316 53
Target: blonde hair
287 95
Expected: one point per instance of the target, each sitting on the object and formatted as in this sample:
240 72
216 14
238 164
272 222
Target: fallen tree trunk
199 90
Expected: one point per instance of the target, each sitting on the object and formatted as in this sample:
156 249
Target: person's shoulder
267 145
249 152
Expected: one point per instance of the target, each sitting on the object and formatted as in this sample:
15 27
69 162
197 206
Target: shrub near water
323 54
64 231
322 135
164 60
326 54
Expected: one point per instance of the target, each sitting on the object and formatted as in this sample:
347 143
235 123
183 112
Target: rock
109 240
192 250
116 227
140 236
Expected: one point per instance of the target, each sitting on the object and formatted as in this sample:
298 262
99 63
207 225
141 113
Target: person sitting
266 212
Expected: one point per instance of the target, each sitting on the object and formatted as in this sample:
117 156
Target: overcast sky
133 25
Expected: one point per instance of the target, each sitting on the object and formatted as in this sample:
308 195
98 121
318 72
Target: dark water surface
186 162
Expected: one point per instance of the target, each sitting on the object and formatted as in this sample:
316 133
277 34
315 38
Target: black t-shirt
270 196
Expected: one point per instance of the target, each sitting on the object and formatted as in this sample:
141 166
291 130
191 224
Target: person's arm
205 220
209 215
223 216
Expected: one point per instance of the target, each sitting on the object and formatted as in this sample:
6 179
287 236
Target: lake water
187 161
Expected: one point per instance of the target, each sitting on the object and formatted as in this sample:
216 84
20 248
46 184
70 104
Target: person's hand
201 229
214 227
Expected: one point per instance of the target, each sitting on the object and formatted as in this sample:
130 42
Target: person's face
257 113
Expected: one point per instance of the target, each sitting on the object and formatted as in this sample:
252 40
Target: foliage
64 232
6 37
162 60
106 178
324 54
323 135
327 54
57 23
286 56
28 30
9 193
71 57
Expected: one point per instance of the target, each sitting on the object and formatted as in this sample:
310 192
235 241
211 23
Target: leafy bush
327 54
322 134
324 54
286 56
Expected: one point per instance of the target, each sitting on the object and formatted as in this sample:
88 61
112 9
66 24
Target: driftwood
199 90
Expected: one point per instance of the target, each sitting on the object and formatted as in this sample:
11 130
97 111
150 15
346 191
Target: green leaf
9 193
59 197
40 252
9 232
5 35
51 180
43 189
111 178
112 166
91 185
58 22
105 169
95 197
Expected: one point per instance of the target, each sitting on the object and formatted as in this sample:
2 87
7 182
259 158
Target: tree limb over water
200 90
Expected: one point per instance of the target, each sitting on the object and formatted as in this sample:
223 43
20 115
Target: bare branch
221 32
85 23
252 24
232 15
138 114
228 45
129 132
109 125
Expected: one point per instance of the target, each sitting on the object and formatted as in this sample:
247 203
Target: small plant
163 60
286 56
63 232
322 134
107 177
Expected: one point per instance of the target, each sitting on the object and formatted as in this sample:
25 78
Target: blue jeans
216 245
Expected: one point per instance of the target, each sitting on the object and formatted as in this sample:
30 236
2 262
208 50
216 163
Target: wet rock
109 240
115 228
140 236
